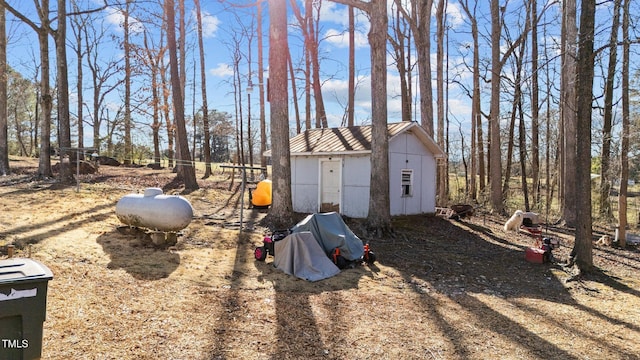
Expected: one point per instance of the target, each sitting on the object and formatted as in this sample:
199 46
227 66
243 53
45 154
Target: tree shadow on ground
466 261
431 259
130 253
61 224
296 322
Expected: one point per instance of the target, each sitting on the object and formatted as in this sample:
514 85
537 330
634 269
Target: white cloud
116 17
337 90
455 15
340 39
210 24
222 70
339 14
336 94
335 13
460 108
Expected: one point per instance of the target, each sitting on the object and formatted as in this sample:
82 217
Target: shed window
407 182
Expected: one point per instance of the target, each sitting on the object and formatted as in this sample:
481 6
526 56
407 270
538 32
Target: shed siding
304 183
407 152
429 167
355 186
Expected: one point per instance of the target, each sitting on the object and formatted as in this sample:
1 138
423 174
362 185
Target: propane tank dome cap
154 191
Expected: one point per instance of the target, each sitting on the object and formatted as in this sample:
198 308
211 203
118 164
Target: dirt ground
441 289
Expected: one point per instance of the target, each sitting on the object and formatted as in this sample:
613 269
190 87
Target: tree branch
358 4
19 15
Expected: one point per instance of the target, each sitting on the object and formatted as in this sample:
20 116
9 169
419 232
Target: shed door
330 184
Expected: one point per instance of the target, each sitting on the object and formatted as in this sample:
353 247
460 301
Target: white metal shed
330 170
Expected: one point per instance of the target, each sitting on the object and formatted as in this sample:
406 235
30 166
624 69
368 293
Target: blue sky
221 24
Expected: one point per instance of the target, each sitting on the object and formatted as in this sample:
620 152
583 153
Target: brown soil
440 289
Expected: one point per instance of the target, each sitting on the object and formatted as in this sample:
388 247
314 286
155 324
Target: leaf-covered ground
441 289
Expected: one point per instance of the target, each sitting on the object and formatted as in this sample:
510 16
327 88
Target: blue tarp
331 232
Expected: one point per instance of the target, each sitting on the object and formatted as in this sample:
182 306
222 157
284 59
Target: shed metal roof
354 139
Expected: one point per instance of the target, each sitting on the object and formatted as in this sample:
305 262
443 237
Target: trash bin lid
21 269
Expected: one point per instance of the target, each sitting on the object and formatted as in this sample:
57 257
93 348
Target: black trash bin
23 307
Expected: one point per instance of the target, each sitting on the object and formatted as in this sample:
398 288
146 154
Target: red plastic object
534 255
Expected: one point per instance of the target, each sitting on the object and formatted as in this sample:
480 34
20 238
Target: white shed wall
304 183
356 177
429 169
405 152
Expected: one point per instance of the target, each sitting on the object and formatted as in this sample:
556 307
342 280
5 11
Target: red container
534 255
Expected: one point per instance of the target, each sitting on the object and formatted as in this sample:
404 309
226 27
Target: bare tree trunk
37 113
352 69
78 25
423 47
128 147
182 49
64 123
548 185
4 140
446 116
605 182
379 217
494 121
154 69
156 116
249 136
523 146
582 251
307 90
477 149
294 94
624 151
44 164
568 99
46 101
203 89
535 122
263 123
281 209
442 171
321 114
238 101
497 63
522 142
182 72
311 47
187 174
419 18
510 145
399 43
170 125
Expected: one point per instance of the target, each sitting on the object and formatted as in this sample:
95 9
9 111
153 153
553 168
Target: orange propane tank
261 196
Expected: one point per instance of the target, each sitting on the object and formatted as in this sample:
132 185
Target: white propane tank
155 211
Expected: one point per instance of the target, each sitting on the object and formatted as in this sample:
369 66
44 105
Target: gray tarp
331 232
300 255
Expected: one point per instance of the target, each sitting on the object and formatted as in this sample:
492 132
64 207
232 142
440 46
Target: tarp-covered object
300 255
331 232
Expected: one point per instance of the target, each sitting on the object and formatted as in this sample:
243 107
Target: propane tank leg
158 238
